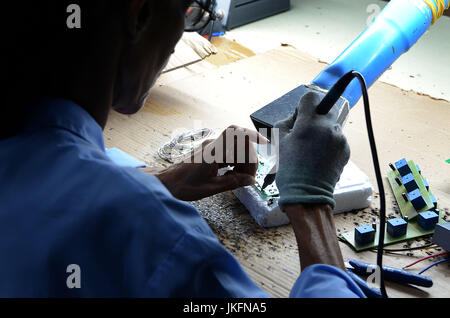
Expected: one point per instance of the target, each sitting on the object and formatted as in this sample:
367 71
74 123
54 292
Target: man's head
112 60
154 28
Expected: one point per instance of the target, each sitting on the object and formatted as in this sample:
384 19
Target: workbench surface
225 89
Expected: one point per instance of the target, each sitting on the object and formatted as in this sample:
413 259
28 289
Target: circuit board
352 192
264 167
406 208
414 230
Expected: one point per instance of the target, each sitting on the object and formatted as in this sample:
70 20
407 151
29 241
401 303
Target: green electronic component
448 161
406 207
413 231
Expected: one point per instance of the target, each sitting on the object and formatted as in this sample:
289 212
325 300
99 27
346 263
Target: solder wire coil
184 144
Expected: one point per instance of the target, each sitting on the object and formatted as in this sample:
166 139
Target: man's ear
139 17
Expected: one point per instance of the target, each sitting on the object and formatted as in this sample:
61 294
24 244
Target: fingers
231 181
253 136
237 142
308 118
308 105
238 145
234 146
284 126
305 112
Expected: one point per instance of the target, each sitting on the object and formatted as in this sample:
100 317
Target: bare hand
198 177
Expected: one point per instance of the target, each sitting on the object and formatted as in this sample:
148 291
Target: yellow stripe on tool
437 8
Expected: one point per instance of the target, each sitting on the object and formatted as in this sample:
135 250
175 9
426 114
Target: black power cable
324 107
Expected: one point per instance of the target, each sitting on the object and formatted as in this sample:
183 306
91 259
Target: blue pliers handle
369 291
392 274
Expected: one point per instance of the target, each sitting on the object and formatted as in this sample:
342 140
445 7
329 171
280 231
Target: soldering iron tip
268 180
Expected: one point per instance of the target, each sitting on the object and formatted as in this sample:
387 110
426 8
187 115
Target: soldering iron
393 32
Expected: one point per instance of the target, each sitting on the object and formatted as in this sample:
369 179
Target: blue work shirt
64 202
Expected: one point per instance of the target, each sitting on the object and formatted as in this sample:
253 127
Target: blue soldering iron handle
394 31
393 274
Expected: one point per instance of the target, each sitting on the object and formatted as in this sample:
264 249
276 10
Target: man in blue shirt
75 224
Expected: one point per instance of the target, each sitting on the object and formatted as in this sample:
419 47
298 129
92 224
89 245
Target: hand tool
355 268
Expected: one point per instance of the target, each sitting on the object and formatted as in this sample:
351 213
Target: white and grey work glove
312 155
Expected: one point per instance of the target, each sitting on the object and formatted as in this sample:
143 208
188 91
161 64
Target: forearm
168 177
171 178
315 232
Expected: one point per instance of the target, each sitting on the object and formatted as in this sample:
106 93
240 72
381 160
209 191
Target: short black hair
37 39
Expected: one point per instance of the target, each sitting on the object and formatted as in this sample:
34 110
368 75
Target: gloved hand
312 155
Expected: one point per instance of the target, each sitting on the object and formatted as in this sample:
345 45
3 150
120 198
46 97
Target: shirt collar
67 115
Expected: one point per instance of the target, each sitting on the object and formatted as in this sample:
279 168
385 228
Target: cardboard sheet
405 125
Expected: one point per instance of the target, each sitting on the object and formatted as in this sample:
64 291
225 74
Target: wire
211 31
423 247
434 264
323 108
184 144
392 251
425 258
376 165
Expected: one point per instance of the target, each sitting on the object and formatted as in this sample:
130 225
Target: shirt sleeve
325 281
200 267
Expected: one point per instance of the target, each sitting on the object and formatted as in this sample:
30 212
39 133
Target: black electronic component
405 197
403 167
397 227
417 199
442 235
428 220
364 234
409 182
